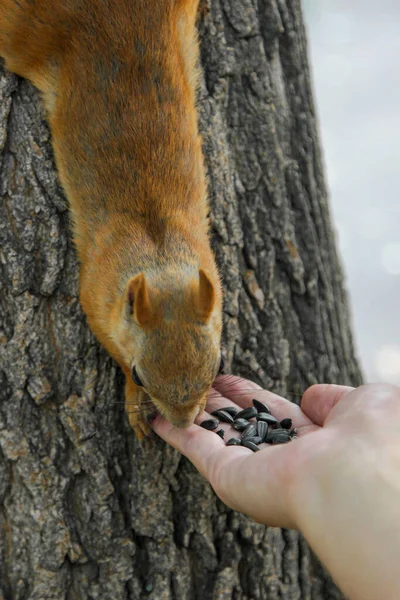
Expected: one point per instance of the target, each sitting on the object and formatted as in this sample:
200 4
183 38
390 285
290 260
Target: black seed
232 410
280 433
221 433
247 413
250 431
240 424
256 439
281 441
276 434
286 423
262 428
267 418
280 437
223 416
261 407
233 442
209 424
250 445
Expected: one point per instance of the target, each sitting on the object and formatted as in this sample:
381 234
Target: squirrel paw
138 408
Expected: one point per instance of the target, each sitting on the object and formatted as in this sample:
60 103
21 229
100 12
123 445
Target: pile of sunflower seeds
256 425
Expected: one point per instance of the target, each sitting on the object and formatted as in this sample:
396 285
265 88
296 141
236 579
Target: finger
318 401
216 401
200 446
258 484
248 482
242 392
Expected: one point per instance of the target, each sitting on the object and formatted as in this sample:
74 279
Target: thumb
318 401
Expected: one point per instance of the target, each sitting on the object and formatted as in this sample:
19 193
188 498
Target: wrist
346 504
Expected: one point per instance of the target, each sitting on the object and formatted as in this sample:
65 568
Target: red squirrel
118 81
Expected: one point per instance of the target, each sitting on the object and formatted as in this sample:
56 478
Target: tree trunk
85 512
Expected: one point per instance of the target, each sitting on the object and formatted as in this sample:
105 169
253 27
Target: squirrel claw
137 414
140 426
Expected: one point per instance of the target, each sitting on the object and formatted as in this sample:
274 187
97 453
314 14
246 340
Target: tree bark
84 511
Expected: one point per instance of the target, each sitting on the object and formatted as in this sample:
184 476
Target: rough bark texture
84 512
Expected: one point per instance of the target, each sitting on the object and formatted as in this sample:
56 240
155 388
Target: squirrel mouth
149 408
150 417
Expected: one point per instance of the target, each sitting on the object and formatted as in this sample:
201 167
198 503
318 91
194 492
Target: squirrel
118 81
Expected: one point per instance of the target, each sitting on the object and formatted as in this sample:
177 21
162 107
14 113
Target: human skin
338 483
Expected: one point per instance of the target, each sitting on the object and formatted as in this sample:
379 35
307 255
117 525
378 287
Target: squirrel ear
138 300
206 298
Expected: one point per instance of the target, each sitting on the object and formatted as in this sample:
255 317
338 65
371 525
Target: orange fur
139 301
118 82
205 296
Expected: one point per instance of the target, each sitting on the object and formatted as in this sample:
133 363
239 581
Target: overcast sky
355 56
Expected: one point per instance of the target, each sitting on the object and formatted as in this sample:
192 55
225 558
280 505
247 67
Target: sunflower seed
277 441
256 439
232 410
234 442
286 423
261 408
221 433
240 424
250 445
223 416
247 413
267 418
280 437
250 431
262 428
293 433
209 424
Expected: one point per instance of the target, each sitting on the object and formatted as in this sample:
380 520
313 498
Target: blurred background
354 47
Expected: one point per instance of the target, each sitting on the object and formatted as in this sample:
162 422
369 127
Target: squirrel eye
221 366
135 377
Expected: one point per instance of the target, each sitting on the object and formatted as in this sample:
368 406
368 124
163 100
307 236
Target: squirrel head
171 336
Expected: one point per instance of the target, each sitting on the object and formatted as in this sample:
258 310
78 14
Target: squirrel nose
185 420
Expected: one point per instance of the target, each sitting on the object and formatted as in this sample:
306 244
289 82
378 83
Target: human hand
338 483
260 484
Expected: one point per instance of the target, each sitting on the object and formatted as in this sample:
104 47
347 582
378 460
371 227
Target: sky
354 48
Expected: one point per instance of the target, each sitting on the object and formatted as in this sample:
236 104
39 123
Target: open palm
258 484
